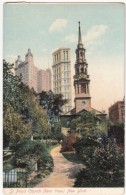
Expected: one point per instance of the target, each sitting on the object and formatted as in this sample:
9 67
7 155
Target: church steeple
81 64
81 78
79 36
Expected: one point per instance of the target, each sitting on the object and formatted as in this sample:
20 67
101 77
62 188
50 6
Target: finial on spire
79 35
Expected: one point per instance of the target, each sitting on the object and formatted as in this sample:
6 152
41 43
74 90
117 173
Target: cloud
94 34
44 50
58 25
11 58
42 32
53 50
71 38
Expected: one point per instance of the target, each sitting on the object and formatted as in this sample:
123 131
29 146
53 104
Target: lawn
71 156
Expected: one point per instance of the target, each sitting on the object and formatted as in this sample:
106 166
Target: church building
81 83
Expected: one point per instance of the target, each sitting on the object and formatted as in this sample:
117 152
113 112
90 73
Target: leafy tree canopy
52 102
87 124
21 109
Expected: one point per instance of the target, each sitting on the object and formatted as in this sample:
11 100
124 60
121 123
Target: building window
67 54
83 88
65 81
64 54
65 75
59 56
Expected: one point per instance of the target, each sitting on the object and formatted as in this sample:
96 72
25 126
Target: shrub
85 146
104 168
28 151
117 131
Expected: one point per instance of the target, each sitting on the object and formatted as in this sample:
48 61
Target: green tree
29 152
11 87
21 109
116 131
87 124
14 128
53 104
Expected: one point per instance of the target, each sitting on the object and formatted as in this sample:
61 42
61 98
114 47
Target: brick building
116 112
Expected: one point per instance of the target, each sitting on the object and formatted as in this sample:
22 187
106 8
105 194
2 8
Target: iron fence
15 178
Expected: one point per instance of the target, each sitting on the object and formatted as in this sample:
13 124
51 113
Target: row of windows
65 95
66 87
65 54
66 74
58 69
57 57
57 77
66 66
64 82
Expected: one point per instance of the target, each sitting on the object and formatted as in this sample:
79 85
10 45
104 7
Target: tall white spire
79 36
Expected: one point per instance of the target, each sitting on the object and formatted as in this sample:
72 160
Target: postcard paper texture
63 98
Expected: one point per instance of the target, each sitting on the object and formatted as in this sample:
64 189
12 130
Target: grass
72 157
34 182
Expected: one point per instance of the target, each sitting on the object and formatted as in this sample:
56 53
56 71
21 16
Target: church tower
81 78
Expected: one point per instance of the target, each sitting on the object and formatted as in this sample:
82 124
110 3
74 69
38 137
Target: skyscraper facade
31 75
62 76
44 80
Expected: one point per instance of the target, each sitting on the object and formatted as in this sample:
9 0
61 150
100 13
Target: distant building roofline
116 103
61 48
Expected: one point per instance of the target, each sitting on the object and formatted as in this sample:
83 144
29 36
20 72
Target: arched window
81 54
83 88
82 69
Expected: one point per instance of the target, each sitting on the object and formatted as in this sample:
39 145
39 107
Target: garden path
63 174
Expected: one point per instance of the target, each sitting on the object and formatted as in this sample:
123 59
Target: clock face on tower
82 75
83 103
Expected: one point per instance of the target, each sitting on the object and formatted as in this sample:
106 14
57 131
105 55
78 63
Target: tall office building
40 80
44 80
62 75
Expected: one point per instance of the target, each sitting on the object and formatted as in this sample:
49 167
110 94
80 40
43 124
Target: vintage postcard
63 98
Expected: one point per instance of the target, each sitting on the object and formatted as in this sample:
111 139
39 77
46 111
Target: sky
46 27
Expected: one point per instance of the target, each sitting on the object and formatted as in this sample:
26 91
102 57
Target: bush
117 131
86 146
28 151
104 168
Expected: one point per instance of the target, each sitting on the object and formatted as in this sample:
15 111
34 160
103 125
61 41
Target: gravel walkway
63 174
